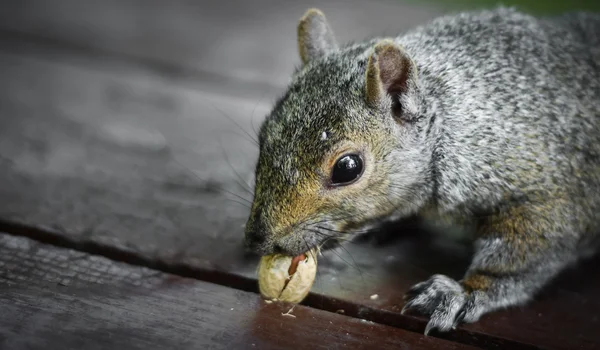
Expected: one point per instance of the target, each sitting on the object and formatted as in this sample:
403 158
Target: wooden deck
125 143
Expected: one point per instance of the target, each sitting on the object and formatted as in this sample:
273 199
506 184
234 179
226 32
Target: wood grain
248 40
64 299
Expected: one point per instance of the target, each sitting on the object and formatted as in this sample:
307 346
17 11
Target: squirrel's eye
347 169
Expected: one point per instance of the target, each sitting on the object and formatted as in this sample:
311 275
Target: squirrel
485 120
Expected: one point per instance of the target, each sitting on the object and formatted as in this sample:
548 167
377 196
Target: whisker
330 237
246 205
346 261
360 272
249 202
220 189
254 110
341 232
240 181
255 141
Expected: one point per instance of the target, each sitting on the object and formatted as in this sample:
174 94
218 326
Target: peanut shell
287 278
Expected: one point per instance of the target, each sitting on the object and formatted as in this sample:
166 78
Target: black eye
347 169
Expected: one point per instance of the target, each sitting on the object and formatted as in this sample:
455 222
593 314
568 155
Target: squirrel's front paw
446 302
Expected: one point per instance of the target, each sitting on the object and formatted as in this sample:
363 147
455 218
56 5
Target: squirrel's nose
259 234
257 244
255 237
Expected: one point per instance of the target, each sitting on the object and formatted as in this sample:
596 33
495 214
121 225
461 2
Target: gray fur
505 116
316 39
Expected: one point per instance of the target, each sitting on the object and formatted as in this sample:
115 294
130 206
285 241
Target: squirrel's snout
253 240
256 238
262 242
261 239
259 244
253 246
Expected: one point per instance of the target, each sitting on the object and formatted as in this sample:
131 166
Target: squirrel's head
342 149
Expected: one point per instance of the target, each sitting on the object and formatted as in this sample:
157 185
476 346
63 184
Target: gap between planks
324 303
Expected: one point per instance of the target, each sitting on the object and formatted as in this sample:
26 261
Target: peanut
287 278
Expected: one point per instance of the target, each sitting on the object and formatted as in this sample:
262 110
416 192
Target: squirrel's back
515 105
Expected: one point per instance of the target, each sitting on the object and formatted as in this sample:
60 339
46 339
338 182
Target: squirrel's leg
516 253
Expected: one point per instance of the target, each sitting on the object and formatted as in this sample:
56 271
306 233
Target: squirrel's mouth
323 236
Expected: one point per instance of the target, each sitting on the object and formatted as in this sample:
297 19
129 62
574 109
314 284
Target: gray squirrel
487 121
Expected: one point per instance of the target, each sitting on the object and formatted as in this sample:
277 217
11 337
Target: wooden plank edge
53 237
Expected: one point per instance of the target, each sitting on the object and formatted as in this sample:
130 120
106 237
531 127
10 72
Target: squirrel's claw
445 301
459 318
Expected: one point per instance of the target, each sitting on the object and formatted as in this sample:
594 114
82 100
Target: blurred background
133 122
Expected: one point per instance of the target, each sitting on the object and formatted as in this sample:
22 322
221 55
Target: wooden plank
70 167
64 299
249 40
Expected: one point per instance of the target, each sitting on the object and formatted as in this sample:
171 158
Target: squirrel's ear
390 74
315 37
